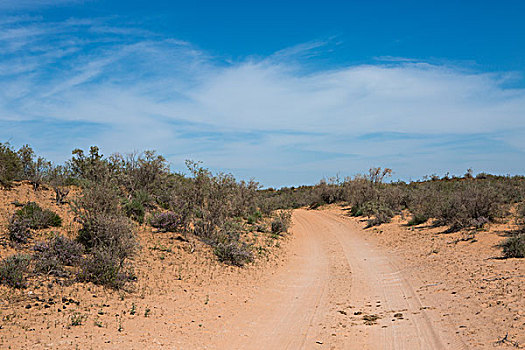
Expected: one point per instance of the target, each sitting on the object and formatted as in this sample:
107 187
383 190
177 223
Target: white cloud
259 114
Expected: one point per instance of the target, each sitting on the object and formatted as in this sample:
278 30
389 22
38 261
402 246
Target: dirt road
338 291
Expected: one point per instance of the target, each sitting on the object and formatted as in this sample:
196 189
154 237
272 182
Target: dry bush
282 222
270 200
13 270
104 268
394 196
229 248
114 233
378 213
233 252
167 222
468 204
18 230
144 172
422 202
358 192
514 246
101 197
59 178
33 170
106 234
52 255
327 192
213 200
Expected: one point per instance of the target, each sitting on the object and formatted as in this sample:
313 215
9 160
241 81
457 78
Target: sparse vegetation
229 249
10 165
101 267
167 222
77 319
514 247
282 222
417 220
18 230
13 270
118 191
52 255
38 218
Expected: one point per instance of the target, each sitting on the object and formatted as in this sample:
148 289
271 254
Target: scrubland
88 246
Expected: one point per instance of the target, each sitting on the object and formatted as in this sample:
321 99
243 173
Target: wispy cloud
271 117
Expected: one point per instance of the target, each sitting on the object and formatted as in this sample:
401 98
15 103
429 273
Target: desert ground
328 284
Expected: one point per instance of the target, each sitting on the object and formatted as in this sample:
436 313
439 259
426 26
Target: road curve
329 295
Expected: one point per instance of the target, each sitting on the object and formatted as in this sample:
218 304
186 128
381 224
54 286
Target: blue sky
286 92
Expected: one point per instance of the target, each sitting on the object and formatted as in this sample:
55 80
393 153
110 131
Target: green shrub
105 233
254 217
356 211
10 165
417 220
282 222
90 167
37 217
314 205
13 269
33 170
134 210
514 247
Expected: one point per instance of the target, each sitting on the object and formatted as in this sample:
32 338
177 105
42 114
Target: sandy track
333 280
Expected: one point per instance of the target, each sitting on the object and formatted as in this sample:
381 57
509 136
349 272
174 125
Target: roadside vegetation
118 194
465 203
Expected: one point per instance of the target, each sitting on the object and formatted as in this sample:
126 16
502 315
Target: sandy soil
182 296
329 285
338 291
461 278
